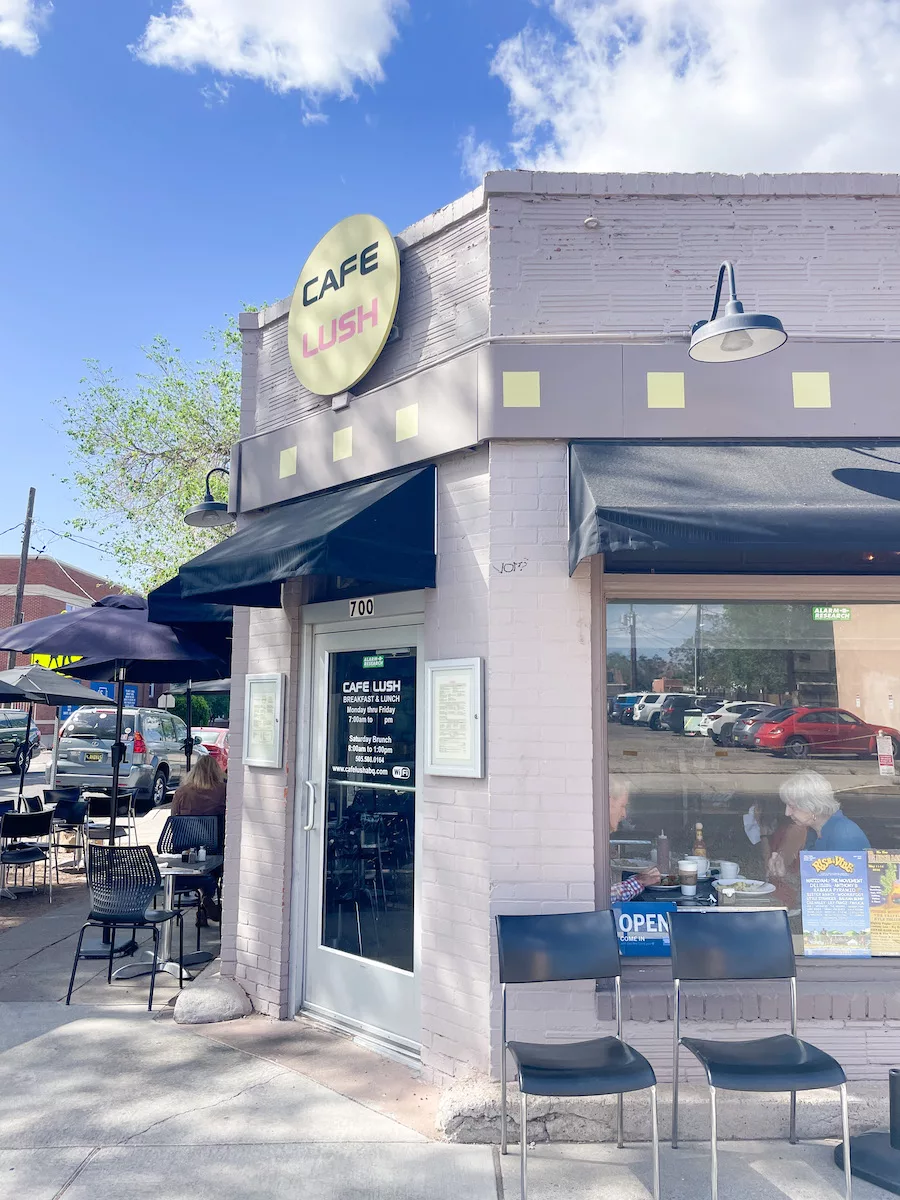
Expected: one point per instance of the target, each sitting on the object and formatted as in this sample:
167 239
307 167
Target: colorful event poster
834 890
884 901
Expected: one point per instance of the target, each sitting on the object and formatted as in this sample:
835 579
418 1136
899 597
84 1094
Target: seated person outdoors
202 794
619 791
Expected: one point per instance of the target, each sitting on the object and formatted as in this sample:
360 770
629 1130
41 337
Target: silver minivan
154 762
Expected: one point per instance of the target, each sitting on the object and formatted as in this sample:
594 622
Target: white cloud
20 21
314 46
700 85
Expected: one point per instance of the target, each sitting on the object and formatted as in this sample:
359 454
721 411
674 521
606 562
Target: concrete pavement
111 1102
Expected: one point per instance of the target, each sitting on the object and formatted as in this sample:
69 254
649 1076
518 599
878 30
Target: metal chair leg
792 1137
654 1123
180 920
523 1145
155 932
112 946
714 1147
75 964
620 1121
675 1097
845 1133
503 1115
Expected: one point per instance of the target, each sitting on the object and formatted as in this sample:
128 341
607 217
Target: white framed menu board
454 721
263 704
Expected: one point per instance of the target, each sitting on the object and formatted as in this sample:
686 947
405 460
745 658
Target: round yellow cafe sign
344 305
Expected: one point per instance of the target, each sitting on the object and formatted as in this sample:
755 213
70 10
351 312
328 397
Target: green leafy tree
140 452
199 711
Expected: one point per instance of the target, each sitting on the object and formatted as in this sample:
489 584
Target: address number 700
364 607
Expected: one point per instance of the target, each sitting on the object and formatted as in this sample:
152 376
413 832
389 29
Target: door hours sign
454 724
372 718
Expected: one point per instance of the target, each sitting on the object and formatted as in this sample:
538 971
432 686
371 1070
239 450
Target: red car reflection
216 742
805 731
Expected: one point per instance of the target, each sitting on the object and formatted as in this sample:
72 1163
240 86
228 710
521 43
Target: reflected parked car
673 712
745 728
720 723
802 732
648 710
215 742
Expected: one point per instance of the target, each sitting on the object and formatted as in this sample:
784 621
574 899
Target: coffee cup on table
728 871
687 872
701 863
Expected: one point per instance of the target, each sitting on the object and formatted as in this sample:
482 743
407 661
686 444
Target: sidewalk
112 1102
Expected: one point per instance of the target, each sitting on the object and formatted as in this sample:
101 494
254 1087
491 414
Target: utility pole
23 568
631 622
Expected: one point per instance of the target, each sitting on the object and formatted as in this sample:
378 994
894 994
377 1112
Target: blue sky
134 205
164 162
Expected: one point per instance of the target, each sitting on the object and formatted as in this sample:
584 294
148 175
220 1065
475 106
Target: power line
69 577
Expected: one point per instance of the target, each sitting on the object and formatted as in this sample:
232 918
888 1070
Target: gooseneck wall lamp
209 512
734 335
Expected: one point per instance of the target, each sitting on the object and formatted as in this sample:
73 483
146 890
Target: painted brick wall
820 251
455 814
443 305
539 717
259 824
521 839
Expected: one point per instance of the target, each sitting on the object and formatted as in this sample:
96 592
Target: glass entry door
361 809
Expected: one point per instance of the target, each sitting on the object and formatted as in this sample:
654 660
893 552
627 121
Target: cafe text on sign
344 305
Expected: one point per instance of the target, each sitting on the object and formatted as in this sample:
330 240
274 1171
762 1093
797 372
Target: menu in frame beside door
361 930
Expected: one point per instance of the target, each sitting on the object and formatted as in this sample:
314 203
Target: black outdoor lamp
736 335
209 512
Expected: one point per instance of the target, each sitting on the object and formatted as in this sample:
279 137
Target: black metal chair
123 881
723 946
556 947
190 833
69 815
19 849
99 808
32 804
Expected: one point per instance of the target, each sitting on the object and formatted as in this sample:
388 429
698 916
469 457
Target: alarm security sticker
344 305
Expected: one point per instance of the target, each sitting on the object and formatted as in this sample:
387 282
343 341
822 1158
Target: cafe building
482 490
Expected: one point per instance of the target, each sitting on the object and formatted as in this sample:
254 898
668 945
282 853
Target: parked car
649 707
12 740
746 727
154 762
671 716
624 701
800 732
215 742
719 723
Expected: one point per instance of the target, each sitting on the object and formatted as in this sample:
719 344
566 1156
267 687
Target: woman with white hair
809 800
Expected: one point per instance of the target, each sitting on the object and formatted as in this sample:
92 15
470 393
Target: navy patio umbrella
39 685
114 639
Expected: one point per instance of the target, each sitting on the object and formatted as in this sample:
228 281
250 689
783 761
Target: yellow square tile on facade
342 443
287 462
665 389
521 389
812 389
407 424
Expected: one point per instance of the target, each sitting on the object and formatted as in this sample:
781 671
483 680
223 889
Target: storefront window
763 735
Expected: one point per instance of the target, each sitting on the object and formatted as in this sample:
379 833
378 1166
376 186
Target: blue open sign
643 929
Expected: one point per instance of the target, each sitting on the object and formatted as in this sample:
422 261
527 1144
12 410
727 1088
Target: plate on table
747 887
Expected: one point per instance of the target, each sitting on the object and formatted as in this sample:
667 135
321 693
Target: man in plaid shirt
628 889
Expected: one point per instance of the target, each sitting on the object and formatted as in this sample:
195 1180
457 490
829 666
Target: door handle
310 805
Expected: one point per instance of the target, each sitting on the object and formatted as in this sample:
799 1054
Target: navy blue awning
363 539
805 508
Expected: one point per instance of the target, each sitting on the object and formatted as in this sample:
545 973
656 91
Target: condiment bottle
699 849
662 853
201 854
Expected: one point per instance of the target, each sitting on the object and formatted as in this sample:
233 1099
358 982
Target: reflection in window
759 721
